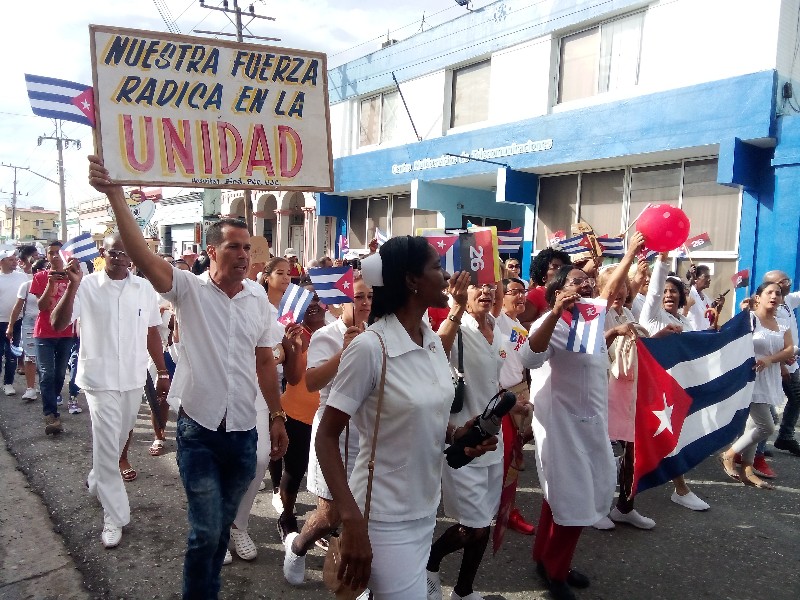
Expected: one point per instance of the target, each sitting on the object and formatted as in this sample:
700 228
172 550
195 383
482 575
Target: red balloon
664 227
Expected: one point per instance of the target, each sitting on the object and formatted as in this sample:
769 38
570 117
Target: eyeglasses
579 281
512 266
515 292
485 287
117 253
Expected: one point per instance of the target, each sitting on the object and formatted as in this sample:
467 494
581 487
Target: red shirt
437 316
536 297
42 327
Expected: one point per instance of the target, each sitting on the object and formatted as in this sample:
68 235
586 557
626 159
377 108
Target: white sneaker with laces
434 585
111 535
9 390
243 544
294 567
631 518
277 503
604 524
30 394
228 558
690 501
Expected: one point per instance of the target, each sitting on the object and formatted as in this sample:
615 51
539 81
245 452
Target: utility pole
237 22
14 196
61 143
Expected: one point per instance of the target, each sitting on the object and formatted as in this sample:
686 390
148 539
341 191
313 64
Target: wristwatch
277 414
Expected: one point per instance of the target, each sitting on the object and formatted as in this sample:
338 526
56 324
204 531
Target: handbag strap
371 464
460 342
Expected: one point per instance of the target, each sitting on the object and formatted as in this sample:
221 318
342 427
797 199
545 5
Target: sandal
157 447
129 475
757 482
729 467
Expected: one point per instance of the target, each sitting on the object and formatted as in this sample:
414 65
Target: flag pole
689 256
632 223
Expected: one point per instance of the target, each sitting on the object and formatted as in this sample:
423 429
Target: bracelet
164 375
454 319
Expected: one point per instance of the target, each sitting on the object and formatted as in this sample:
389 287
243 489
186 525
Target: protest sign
177 110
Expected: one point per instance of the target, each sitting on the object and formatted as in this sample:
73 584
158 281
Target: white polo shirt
416 405
482 362
9 286
115 316
216 375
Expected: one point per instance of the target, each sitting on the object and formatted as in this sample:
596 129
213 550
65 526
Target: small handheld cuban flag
612 246
575 245
586 326
509 241
448 248
293 305
61 99
380 236
645 254
81 247
333 285
344 245
693 244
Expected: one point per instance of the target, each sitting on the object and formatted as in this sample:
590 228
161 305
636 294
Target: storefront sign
185 111
446 160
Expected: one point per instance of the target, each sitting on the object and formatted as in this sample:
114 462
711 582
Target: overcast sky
51 38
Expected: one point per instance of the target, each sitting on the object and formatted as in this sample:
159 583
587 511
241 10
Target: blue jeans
791 387
52 355
74 390
216 468
11 359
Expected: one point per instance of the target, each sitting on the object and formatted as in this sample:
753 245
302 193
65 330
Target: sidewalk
33 560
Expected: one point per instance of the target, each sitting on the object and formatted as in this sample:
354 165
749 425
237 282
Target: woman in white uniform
773 345
324 356
389 551
570 424
662 314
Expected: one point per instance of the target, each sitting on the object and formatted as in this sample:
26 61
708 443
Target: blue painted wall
447 199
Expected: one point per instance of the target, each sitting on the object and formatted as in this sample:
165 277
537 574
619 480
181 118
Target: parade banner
175 110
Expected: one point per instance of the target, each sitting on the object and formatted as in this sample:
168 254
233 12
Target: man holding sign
226 332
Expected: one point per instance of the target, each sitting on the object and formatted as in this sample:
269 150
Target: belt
222 424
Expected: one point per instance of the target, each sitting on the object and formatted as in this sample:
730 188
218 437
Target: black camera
485 426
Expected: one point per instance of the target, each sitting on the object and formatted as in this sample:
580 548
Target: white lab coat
570 424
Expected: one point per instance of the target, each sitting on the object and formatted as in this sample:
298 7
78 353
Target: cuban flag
380 237
449 249
557 237
693 398
81 247
509 241
61 99
575 245
586 323
333 285
293 305
645 254
344 245
613 247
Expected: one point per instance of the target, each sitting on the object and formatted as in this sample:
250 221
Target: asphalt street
746 547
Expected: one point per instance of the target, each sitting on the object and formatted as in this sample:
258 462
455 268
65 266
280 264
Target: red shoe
518 523
761 468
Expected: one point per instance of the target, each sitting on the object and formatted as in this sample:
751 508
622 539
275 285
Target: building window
39 222
557 207
470 94
401 215
378 119
601 59
712 208
601 201
358 223
377 216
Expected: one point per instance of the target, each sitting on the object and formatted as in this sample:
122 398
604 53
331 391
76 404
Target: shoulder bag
458 396
333 557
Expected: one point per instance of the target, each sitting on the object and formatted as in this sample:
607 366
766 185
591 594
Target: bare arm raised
157 270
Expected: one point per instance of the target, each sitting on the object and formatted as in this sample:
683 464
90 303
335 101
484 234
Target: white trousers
400 553
262 462
113 417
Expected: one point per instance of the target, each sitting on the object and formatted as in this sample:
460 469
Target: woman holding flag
570 421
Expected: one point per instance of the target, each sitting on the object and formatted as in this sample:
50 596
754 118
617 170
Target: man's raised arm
157 270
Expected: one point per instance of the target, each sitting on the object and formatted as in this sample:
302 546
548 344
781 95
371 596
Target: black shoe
541 572
577 579
287 526
768 453
790 445
559 590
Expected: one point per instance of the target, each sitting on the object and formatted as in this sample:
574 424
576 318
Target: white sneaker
434 585
74 407
294 567
228 558
111 535
277 503
9 390
30 394
604 524
243 544
631 518
690 500
470 596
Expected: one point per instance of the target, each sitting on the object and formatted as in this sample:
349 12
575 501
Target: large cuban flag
333 285
61 99
693 398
